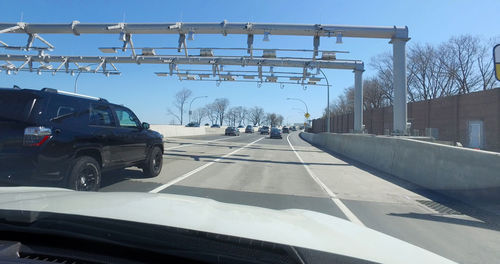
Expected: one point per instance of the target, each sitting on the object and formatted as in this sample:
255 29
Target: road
290 173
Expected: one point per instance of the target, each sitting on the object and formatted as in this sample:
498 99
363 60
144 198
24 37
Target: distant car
193 124
240 126
232 131
285 130
264 130
207 124
275 133
215 126
249 129
293 128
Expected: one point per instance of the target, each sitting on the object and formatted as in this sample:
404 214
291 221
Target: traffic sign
307 115
496 57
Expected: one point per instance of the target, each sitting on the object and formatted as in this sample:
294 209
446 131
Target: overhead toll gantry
187 31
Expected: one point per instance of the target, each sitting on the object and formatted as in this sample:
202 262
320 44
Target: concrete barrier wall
214 131
182 131
458 172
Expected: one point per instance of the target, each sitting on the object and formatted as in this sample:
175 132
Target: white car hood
294 227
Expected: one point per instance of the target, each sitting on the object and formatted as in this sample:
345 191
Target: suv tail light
36 136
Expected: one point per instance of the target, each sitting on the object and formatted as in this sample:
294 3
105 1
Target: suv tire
153 164
85 174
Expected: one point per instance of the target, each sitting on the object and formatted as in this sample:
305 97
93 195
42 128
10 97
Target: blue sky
149 96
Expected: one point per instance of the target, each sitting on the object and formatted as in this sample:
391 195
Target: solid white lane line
187 145
348 213
186 175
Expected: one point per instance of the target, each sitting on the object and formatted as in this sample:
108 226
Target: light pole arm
76 81
78 75
327 101
190 104
297 99
327 83
307 110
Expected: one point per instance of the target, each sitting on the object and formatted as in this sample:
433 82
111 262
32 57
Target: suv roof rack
52 90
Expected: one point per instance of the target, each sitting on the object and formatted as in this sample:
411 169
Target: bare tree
211 113
174 114
274 119
236 115
345 101
383 65
199 114
340 106
279 120
460 65
255 115
429 75
265 120
271 118
444 78
180 100
461 62
373 97
421 63
241 114
373 94
220 106
485 65
231 116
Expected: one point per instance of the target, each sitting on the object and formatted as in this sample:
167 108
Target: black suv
69 139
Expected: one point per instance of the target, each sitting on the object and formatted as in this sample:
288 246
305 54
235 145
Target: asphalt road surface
290 173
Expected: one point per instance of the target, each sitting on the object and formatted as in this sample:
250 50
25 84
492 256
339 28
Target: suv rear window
66 110
100 115
17 105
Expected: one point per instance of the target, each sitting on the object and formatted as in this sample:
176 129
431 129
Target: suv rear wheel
152 166
85 174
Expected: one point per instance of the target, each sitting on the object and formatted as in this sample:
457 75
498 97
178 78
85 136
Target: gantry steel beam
194 60
224 28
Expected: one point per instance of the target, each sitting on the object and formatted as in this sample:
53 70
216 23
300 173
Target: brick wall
450 115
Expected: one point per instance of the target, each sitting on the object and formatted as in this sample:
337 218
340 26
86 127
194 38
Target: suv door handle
57 130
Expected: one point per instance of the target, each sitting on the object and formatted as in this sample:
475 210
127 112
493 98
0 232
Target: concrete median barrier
182 131
215 130
465 174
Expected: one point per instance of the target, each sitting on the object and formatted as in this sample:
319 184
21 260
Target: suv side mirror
145 125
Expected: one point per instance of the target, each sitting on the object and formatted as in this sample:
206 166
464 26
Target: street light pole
86 68
76 81
307 110
327 102
192 104
297 99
